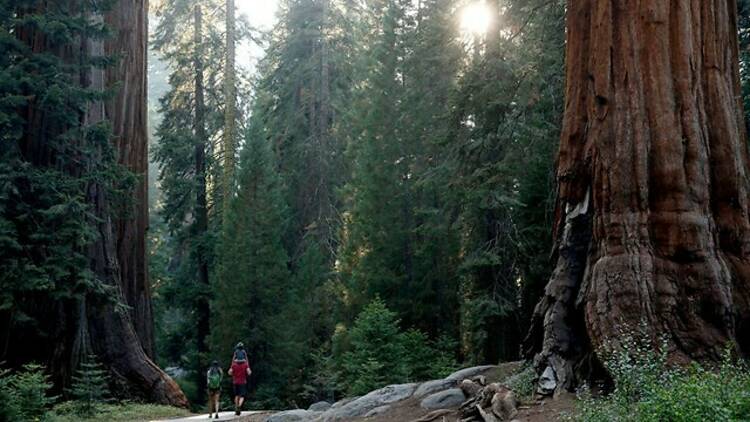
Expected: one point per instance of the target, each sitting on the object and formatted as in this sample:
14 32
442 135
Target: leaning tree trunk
652 222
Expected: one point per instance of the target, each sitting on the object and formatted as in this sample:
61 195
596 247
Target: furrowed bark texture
126 338
127 114
652 219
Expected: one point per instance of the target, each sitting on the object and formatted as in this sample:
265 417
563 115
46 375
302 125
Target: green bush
522 383
24 394
8 408
89 386
379 353
648 390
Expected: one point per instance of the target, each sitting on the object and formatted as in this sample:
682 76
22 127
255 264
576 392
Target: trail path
223 416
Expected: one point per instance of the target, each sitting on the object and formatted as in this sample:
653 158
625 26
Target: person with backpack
213 381
239 371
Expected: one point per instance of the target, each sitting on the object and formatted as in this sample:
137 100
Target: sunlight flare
475 18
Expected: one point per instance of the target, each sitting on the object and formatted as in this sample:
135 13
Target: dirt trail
246 416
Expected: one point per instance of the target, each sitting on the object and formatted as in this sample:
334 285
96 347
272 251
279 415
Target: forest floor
529 410
543 411
409 410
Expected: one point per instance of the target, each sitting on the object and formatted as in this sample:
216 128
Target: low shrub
522 383
89 387
648 390
24 394
378 353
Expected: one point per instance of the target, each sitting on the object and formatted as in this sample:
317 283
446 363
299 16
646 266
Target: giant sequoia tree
72 256
652 220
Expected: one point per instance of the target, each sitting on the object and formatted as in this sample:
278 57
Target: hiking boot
217 416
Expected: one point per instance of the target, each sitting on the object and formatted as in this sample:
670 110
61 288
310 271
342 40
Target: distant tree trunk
652 219
325 204
127 114
201 209
230 112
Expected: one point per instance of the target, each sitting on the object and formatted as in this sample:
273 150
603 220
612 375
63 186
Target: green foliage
8 410
380 353
189 167
743 27
25 394
52 159
522 383
648 389
398 242
89 386
120 412
253 300
501 147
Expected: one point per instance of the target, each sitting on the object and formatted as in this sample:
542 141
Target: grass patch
125 412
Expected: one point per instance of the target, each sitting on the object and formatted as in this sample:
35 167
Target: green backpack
214 379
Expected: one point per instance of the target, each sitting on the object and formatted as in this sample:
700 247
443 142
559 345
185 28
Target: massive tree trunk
125 339
127 114
652 220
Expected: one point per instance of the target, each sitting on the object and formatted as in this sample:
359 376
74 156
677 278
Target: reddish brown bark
126 339
127 114
652 220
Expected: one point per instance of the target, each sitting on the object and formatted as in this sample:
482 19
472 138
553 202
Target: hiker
213 381
239 371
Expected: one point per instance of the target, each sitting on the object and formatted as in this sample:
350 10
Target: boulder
469 372
344 401
320 406
444 399
433 386
547 382
368 402
296 415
